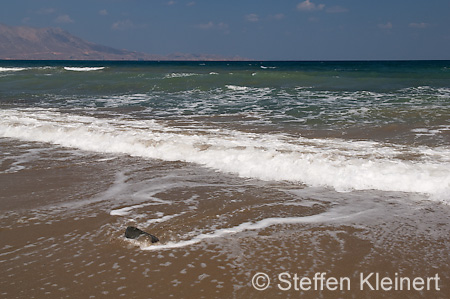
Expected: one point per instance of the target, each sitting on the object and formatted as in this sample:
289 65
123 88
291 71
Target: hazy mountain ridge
29 43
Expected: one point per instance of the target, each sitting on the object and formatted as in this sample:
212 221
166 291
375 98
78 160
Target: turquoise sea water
337 97
342 125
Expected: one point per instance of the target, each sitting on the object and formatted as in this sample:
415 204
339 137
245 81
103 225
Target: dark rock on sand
134 233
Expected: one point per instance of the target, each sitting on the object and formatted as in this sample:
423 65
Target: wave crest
340 164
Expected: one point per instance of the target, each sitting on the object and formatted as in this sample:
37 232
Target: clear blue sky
255 29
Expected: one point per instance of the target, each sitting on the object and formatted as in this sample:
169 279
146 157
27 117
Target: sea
286 168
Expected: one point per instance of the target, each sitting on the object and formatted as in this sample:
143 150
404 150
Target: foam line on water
83 69
163 218
126 210
329 216
11 69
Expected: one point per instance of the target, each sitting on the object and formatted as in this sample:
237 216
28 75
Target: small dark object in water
134 233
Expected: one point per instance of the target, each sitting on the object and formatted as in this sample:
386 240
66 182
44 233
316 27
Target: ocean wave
431 132
237 88
12 69
179 75
83 69
340 164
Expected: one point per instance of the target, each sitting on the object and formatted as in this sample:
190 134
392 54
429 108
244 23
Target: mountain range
29 43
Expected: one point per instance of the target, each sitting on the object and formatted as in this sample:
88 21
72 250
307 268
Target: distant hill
29 43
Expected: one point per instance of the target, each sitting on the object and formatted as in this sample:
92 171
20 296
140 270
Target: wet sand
59 236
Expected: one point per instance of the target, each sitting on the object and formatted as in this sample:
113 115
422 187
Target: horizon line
249 60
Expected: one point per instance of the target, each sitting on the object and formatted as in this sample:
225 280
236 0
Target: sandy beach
59 239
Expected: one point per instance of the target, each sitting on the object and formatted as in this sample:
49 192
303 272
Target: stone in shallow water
133 233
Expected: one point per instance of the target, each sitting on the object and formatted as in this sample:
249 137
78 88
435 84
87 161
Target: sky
253 29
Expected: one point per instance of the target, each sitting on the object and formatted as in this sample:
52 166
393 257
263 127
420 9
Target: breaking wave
83 69
340 164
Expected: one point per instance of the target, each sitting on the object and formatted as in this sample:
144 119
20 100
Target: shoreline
68 247
259 180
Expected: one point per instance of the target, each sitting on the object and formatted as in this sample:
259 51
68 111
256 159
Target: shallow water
237 168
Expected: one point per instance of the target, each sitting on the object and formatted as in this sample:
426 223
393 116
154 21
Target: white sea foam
115 101
20 161
11 69
237 88
83 69
330 216
19 69
430 132
340 164
163 218
125 211
179 75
